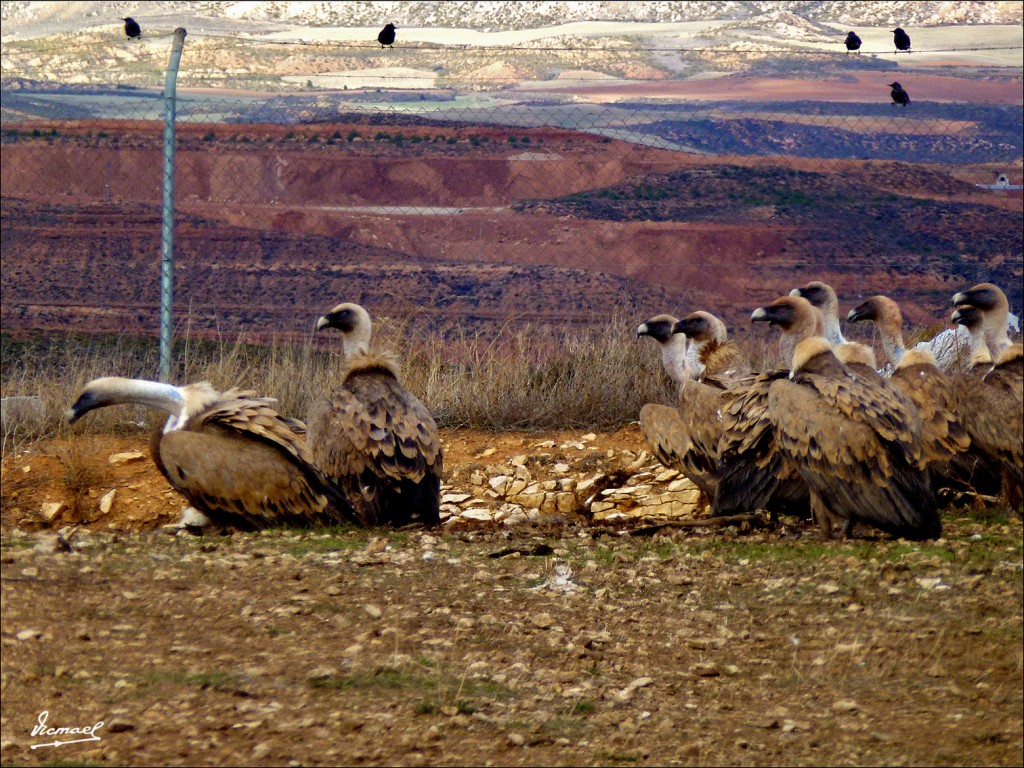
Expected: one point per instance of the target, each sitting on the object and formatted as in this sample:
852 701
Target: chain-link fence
467 213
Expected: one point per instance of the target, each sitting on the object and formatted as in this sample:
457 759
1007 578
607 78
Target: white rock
455 498
477 513
107 501
589 437
50 511
561 468
29 634
124 458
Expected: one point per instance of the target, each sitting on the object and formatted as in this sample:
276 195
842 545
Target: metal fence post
167 241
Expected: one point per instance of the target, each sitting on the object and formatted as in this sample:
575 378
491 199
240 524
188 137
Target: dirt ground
555 642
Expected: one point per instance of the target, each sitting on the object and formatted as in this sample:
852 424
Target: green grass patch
389 679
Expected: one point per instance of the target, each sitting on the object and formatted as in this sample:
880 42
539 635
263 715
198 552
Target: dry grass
531 378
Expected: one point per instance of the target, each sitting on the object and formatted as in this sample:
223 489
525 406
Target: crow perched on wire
852 42
901 39
386 37
132 28
899 96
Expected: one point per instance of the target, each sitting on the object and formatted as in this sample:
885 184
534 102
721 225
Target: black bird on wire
899 96
386 37
132 28
901 39
852 42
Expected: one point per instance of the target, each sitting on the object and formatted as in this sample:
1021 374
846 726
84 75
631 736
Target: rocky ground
531 638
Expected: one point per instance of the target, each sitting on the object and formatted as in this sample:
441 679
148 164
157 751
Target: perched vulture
951 347
230 454
996 310
372 436
678 435
752 472
858 448
824 298
673 347
992 410
710 353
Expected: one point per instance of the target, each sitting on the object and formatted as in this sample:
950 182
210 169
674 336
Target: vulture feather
711 355
230 454
857 446
372 436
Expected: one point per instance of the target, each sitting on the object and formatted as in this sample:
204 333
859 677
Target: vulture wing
239 462
381 444
859 450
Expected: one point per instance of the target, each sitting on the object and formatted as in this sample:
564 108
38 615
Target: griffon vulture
858 448
823 296
951 347
678 435
992 411
230 454
996 310
753 473
374 437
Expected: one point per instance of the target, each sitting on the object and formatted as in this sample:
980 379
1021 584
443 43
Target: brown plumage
992 303
753 472
992 411
716 359
230 454
858 448
678 435
374 437
860 359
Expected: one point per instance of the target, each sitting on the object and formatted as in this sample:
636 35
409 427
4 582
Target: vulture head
793 314
796 317
702 326
658 328
970 317
820 295
882 310
179 402
354 323
985 296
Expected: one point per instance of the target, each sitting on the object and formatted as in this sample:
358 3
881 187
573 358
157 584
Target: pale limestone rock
107 502
49 511
125 458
